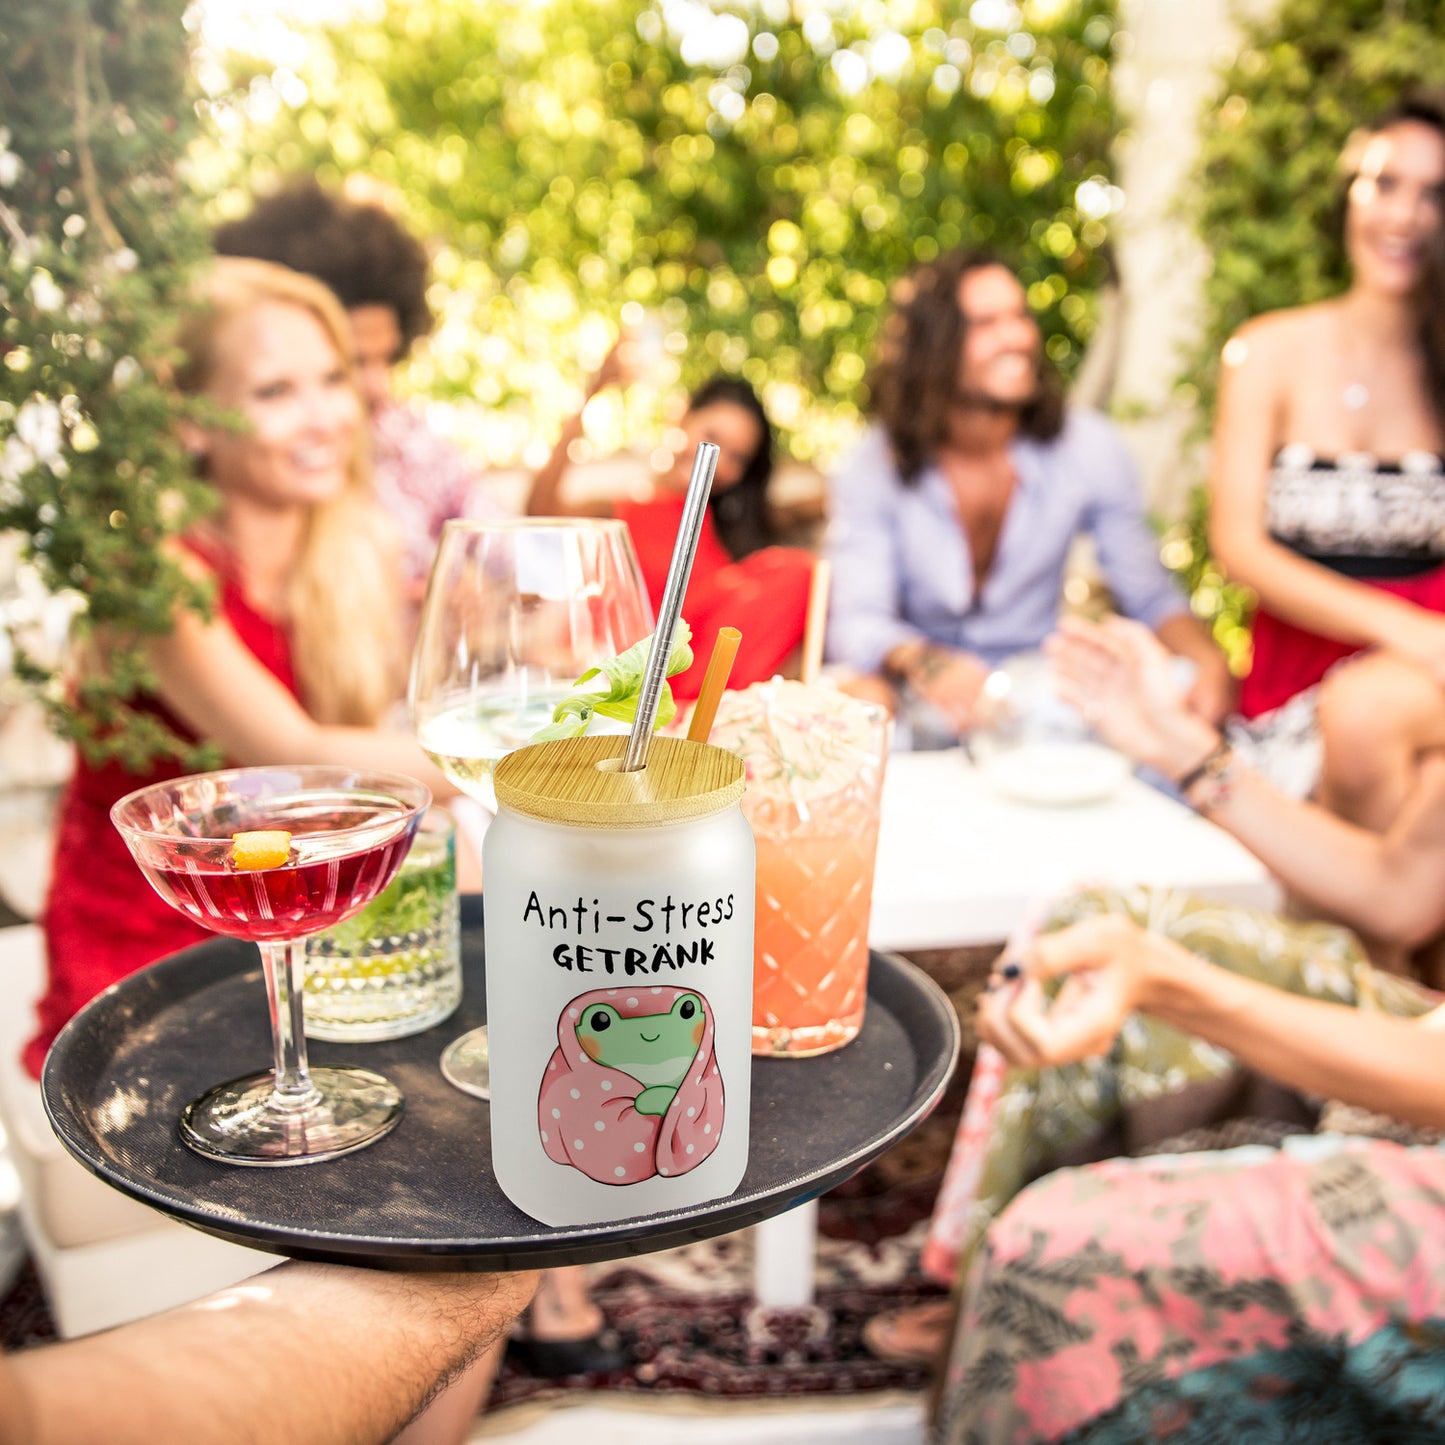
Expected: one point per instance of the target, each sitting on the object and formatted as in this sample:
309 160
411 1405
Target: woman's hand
1106 964
1420 636
613 371
1120 676
626 362
1213 693
1111 968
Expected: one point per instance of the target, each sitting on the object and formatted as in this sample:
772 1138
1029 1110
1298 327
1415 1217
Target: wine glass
321 843
515 612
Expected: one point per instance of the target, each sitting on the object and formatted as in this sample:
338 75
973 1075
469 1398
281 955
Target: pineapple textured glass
395 968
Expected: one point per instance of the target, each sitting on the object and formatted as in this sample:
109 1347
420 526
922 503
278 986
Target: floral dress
1281 1294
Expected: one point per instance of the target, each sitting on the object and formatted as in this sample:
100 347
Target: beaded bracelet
1185 781
930 661
1217 770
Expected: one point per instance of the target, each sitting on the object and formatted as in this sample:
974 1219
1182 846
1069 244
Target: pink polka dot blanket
633 1089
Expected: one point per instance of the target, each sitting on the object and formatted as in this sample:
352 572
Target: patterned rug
687 1314
24 1313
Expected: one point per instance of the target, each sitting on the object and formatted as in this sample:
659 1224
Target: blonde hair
343 607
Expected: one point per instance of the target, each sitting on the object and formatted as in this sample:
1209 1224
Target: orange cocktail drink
815 771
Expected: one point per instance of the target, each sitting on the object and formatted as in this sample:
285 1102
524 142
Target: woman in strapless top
1327 488
1381 523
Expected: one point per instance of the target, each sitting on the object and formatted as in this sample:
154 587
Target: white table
960 864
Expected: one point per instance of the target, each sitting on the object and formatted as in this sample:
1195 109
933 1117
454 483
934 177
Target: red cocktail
303 896
273 855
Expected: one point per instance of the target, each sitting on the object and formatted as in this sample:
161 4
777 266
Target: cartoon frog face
626 1097
655 1049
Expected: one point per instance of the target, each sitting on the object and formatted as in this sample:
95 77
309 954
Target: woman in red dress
739 577
1328 485
302 653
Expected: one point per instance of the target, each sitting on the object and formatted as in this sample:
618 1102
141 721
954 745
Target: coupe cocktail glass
515 612
349 831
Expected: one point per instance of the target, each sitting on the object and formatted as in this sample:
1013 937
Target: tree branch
89 181
11 222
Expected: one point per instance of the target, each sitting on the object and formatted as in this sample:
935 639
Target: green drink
395 968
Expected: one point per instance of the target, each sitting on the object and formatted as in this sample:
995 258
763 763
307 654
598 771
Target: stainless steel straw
704 464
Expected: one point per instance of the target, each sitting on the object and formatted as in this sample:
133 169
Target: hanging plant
99 240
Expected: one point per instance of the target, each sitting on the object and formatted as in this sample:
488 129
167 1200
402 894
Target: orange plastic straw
817 623
719 665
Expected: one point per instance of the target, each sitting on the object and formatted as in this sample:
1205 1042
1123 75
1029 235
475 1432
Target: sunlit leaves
98 234
755 173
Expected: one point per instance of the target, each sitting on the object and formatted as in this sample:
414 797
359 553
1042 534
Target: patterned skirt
1293 1294
1265 1292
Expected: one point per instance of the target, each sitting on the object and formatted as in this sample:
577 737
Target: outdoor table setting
960 863
429 1107
975 838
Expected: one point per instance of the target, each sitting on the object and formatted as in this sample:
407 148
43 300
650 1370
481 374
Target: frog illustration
633 1088
656 1049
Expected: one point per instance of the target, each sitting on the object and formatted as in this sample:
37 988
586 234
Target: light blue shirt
903 570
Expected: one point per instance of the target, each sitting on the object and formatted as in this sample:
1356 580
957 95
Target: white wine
468 741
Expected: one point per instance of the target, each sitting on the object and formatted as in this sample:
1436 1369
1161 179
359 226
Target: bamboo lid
576 781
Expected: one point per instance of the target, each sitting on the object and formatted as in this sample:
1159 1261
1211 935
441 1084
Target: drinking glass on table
272 855
515 612
1033 747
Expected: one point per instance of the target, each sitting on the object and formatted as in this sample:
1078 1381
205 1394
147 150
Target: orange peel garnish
269 848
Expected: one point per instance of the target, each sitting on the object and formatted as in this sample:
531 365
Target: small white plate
1056 774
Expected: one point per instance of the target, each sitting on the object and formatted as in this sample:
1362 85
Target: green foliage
1267 184
98 234
753 174
1266 192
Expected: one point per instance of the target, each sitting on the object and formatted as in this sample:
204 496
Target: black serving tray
424 1196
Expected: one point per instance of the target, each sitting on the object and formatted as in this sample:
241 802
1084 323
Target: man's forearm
301 1355
919 660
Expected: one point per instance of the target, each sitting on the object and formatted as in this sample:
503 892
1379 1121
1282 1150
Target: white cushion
69 1203
105 1258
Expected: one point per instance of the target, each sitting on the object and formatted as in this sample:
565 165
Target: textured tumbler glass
396 968
815 761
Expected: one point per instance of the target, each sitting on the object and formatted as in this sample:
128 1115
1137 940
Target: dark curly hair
740 512
359 250
914 380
